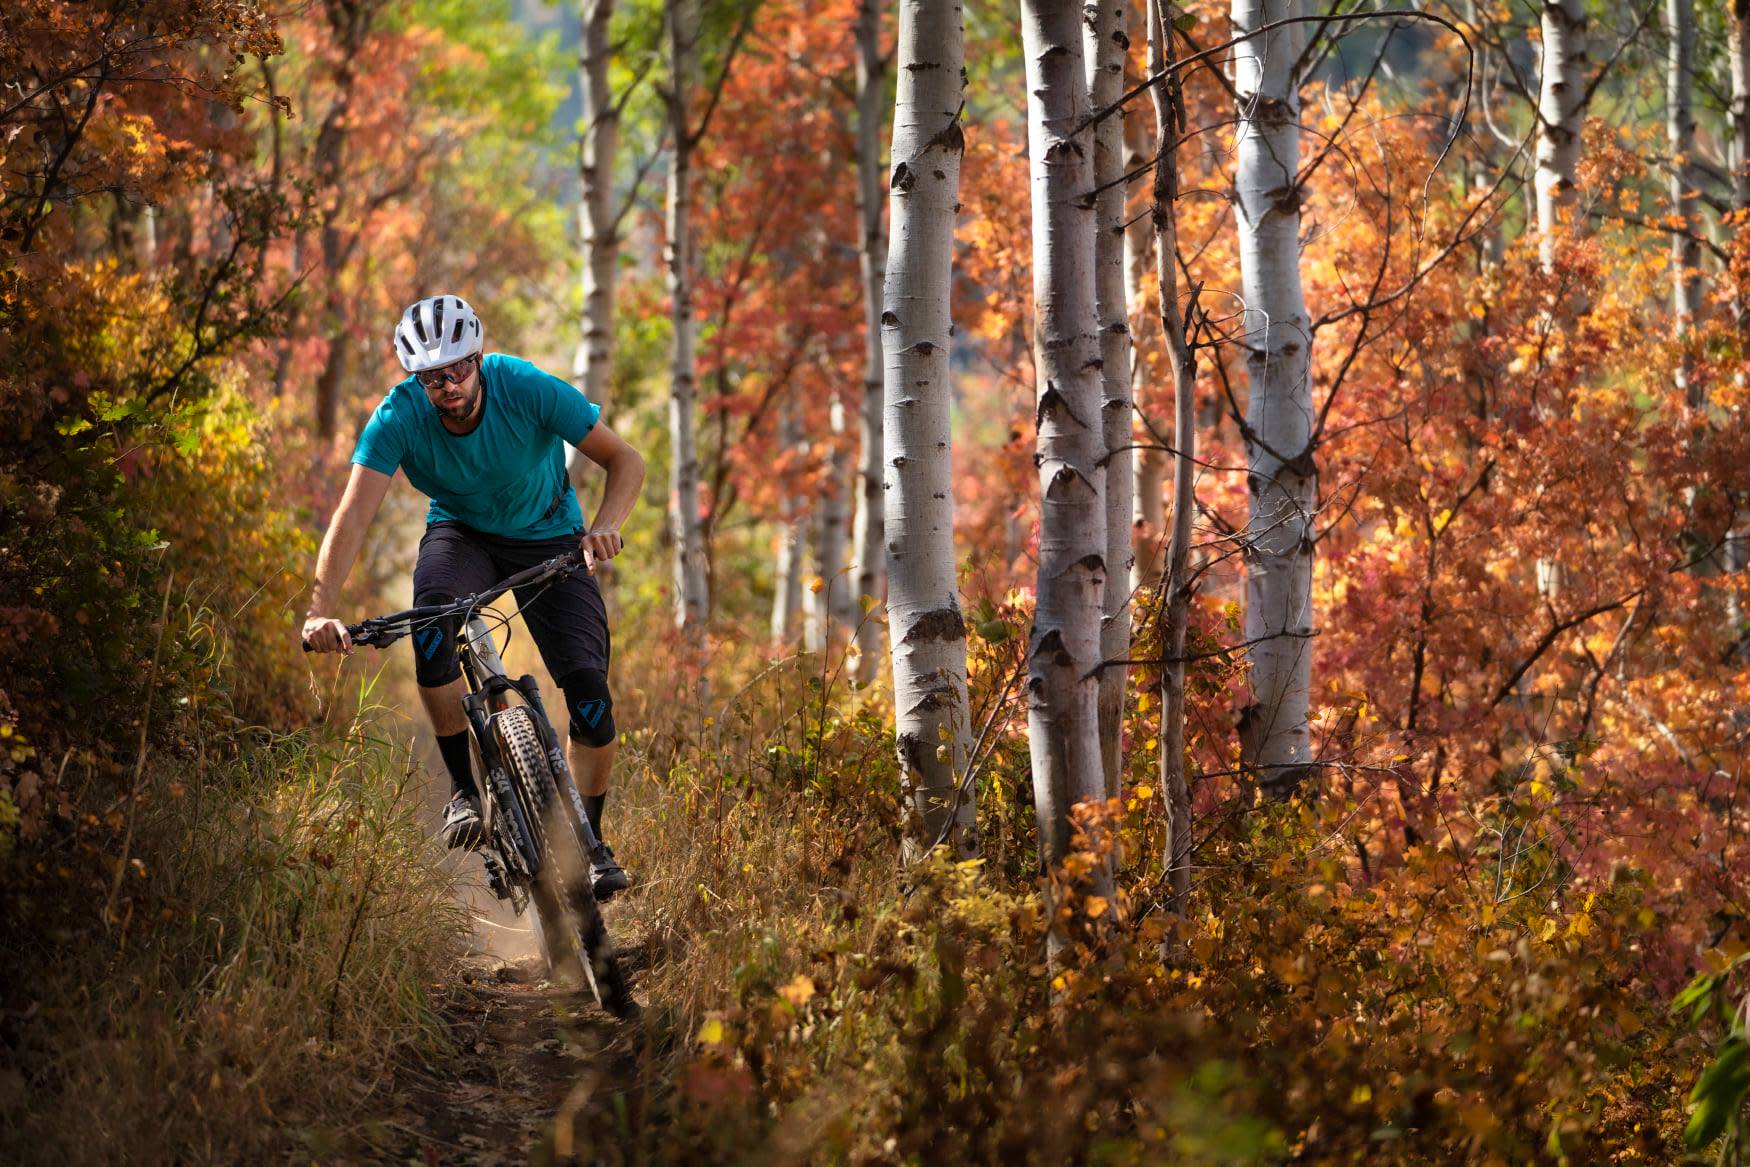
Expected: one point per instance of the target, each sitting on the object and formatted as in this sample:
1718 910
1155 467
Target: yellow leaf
816 585
868 603
1361 1094
1096 906
797 991
711 1033
1145 792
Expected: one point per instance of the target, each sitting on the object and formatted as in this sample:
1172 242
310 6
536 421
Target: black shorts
567 618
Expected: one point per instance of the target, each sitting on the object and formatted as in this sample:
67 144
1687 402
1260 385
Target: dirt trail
529 1052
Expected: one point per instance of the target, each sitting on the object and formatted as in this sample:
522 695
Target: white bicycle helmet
437 331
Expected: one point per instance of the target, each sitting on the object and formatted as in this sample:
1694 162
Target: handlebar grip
359 634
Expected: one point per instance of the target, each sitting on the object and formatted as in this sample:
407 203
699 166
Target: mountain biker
481 434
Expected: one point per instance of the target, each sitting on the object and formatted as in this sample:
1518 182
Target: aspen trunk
1150 463
836 602
868 559
349 24
1680 134
1736 552
787 575
692 601
928 633
593 366
1176 587
1739 41
1561 115
1281 473
1103 54
1063 653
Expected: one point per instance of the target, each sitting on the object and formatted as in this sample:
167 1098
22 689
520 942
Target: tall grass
247 988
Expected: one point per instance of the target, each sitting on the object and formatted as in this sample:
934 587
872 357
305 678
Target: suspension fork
531 693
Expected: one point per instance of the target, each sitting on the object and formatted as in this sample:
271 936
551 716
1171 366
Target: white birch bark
1063 652
1738 39
1561 114
868 576
836 601
1175 788
692 601
1680 135
1104 45
928 632
592 367
1149 464
787 575
1281 474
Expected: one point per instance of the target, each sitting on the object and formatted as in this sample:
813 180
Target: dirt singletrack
530 1054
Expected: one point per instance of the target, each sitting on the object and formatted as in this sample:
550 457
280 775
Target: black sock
459 763
592 806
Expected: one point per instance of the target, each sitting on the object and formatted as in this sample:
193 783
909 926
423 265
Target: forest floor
526 1050
527 1053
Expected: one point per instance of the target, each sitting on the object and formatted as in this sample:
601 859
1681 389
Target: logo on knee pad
592 711
428 642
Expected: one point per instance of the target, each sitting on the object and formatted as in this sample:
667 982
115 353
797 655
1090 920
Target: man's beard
463 410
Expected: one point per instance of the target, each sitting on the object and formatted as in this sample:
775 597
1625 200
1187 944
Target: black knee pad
590 706
435 663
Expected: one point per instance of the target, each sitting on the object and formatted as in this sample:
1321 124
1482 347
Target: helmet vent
437 331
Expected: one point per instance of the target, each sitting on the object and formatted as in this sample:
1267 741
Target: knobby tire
573 935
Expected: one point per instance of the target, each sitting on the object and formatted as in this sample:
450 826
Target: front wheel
573 937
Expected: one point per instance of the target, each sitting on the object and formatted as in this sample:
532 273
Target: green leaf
994 631
1697 997
1719 1093
1185 22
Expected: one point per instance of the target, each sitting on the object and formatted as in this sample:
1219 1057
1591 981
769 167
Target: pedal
495 877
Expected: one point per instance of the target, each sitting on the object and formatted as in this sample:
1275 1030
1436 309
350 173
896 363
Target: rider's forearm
625 478
345 538
340 550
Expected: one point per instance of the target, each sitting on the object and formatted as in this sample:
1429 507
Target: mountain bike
538 839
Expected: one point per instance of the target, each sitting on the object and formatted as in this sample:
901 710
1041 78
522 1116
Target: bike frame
489 694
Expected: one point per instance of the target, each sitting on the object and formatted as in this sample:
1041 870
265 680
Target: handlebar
382 631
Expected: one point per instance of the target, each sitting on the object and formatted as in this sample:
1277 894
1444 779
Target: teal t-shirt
506 477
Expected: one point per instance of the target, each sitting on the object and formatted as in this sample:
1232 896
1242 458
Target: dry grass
278 928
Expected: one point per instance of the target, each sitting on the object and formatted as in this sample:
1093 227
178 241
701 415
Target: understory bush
815 1000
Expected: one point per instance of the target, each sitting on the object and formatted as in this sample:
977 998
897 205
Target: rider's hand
598 545
326 634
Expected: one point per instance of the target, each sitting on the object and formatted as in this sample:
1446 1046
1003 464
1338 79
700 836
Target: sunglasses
448 375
